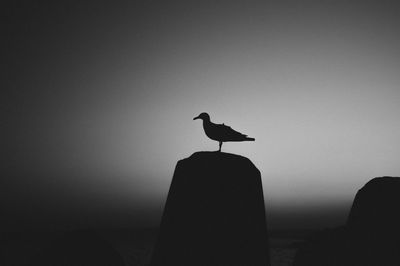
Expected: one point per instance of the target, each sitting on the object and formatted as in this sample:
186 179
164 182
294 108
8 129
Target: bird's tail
249 139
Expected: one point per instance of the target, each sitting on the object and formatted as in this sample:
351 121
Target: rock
214 214
374 223
371 235
79 248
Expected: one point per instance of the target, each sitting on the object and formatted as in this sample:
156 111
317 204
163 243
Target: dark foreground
370 236
134 246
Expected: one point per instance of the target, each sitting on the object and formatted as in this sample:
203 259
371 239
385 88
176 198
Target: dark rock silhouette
374 223
371 235
220 132
214 214
76 248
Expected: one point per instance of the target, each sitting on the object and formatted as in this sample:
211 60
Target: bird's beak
197 117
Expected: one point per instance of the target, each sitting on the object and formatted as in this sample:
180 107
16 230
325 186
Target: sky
99 100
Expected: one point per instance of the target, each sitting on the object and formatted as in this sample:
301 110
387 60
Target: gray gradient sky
100 99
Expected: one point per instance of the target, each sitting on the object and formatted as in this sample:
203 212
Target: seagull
220 132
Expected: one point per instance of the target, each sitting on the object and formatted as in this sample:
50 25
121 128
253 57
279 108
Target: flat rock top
218 160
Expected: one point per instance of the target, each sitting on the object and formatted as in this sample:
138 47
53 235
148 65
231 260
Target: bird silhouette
220 132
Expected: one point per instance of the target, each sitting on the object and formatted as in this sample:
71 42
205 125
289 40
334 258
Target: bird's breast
211 131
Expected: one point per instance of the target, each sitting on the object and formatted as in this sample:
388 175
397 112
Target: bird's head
203 116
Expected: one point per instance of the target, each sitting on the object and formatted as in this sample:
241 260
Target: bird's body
221 132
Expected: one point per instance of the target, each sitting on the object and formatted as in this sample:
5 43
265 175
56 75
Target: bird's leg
220 146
